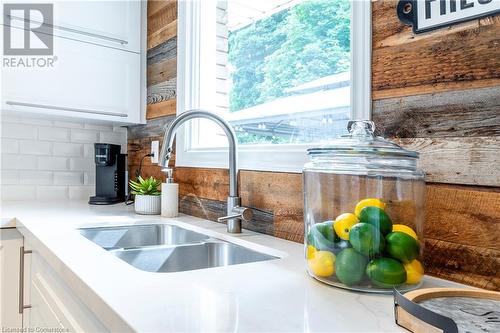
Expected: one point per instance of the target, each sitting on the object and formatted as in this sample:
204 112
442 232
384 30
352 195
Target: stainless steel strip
61 108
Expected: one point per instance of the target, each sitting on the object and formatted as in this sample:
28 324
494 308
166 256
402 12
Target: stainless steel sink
141 235
169 248
190 257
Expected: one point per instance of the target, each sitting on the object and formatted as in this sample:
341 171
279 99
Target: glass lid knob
361 128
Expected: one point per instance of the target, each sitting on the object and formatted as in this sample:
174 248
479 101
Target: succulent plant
148 186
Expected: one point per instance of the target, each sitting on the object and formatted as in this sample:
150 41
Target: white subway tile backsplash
51 160
99 127
68 124
53 134
88 150
18 162
67 149
52 193
9 177
19 131
35 177
34 147
9 146
84 136
81 192
52 163
82 164
68 178
89 178
18 192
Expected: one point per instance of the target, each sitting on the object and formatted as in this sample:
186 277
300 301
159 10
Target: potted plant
147 196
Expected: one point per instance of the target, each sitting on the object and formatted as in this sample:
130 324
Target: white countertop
267 296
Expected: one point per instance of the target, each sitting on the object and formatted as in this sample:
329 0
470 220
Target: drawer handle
73 30
60 108
22 253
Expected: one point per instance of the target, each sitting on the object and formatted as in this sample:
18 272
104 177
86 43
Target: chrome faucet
235 213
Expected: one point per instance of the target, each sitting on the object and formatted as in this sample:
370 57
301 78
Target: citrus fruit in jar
366 239
376 217
322 236
310 251
343 224
322 263
401 246
372 202
414 272
386 272
406 229
350 266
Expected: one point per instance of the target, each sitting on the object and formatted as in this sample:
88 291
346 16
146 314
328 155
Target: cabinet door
85 81
11 242
54 304
114 24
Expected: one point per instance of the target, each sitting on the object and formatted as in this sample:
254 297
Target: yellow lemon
405 229
414 271
343 224
310 251
322 264
373 202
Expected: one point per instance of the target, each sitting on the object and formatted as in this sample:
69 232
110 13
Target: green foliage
295 46
148 186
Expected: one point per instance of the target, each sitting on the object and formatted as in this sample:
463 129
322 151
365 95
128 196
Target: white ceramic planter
147 204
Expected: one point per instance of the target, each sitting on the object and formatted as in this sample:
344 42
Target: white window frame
192 46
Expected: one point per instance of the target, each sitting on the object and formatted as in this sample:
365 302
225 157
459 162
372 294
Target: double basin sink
169 248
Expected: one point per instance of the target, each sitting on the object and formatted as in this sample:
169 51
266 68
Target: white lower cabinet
53 305
43 302
11 242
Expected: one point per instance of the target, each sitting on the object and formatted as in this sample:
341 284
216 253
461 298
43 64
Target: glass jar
363 213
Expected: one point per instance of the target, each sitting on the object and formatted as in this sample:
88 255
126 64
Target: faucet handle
238 212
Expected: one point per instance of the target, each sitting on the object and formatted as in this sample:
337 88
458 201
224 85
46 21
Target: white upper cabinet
109 23
96 69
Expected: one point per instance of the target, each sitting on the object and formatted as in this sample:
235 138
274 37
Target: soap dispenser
169 196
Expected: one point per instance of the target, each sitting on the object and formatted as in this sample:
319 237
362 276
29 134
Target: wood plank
450 114
165 108
161 92
465 216
163 34
163 51
156 5
153 128
433 88
472 161
432 61
472 265
161 15
162 71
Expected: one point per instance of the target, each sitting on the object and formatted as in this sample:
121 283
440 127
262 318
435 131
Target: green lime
322 236
402 246
386 272
376 217
366 239
350 266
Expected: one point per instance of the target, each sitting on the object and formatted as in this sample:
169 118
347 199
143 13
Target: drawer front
58 299
85 81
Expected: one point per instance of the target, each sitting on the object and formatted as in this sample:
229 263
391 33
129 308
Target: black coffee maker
110 175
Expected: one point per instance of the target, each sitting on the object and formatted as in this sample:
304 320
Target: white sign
426 15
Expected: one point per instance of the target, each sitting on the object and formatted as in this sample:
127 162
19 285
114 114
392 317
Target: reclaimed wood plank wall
437 93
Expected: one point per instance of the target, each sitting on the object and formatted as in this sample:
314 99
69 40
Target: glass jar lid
361 141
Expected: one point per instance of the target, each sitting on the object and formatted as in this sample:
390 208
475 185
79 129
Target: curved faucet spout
168 141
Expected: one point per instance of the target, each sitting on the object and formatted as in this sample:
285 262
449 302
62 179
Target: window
282 72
